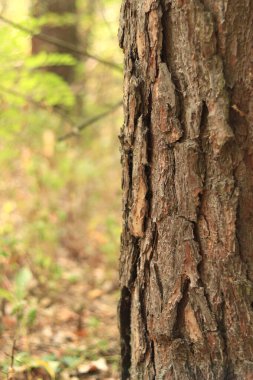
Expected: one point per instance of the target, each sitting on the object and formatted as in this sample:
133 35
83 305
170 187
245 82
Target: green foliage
25 361
93 322
41 88
44 59
22 281
52 19
48 186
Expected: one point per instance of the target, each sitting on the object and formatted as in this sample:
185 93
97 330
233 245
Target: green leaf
70 361
47 87
7 295
51 19
51 367
4 254
22 281
31 317
43 59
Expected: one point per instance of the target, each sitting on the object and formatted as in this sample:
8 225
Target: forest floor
60 202
75 334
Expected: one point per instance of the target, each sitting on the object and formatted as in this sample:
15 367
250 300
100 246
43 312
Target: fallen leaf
95 293
66 315
99 365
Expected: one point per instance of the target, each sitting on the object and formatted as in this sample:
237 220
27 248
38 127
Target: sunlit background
60 203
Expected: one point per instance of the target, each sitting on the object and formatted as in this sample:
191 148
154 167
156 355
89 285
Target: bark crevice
125 332
188 261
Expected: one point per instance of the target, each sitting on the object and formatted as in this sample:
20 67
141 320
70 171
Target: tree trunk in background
66 33
186 265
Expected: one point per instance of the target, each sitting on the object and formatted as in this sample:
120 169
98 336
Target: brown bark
186 264
65 33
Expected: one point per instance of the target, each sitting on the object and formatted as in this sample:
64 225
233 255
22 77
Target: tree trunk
65 33
186 264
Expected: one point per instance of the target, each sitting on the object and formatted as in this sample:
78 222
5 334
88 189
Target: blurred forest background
60 94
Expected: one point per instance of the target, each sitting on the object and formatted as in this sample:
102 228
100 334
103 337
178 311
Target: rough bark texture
186 264
65 33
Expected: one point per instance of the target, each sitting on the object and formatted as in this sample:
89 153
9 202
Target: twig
11 371
60 43
13 352
35 103
75 131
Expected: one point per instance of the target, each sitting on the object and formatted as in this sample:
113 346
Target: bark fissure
153 358
125 331
180 307
202 143
185 201
222 329
150 144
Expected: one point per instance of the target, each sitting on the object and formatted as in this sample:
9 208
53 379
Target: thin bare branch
76 130
60 43
35 103
13 352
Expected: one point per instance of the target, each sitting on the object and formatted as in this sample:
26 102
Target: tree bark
186 266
